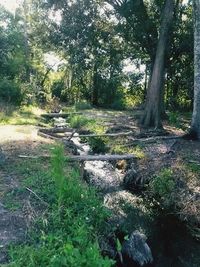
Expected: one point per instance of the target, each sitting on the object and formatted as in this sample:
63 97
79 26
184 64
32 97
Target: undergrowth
163 186
25 115
66 232
79 121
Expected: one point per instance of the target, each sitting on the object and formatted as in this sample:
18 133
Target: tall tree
195 127
152 113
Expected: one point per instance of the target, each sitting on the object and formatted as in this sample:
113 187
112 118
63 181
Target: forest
99 133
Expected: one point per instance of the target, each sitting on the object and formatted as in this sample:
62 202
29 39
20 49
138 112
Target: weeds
66 234
163 186
79 121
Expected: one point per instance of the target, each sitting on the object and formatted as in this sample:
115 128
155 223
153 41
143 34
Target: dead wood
107 134
56 130
45 135
151 140
87 157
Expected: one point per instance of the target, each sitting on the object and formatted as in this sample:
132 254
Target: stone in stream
136 251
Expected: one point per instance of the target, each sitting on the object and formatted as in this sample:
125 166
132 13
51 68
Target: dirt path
14 140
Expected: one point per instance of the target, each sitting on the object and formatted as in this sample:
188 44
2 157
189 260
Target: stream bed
169 239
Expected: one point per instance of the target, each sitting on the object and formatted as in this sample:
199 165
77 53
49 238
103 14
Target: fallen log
107 134
56 130
61 115
45 135
87 157
150 140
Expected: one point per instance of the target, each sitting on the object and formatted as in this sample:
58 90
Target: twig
31 191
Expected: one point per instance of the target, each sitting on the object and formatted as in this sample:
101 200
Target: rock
130 179
136 250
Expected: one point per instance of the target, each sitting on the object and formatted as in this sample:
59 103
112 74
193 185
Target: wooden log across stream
59 115
87 157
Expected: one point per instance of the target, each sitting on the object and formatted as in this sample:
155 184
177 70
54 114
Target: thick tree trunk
195 127
153 108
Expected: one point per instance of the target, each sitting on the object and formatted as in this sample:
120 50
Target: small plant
58 161
163 185
79 121
98 144
174 119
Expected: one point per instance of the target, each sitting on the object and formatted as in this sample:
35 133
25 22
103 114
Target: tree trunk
153 108
95 92
195 127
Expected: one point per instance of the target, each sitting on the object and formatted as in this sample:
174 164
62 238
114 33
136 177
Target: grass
66 232
137 150
22 116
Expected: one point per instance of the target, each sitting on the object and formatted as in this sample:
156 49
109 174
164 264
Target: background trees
104 52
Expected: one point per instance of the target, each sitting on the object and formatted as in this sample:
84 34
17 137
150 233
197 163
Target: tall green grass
67 232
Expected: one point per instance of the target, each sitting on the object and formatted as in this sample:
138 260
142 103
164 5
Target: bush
79 121
10 92
118 104
174 118
163 185
98 144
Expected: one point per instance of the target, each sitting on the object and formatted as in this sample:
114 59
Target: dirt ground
14 140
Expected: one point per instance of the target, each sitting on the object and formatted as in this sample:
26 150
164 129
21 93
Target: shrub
118 104
98 144
163 185
10 92
79 121
174 119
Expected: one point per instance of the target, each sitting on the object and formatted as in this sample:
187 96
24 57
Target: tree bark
195 127
153 108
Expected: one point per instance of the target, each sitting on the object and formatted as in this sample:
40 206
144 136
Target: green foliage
98 144
163 184
174 118
79 121
25 115
57 88
58 161
118 104
66 234
137 151
10 92
194 167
